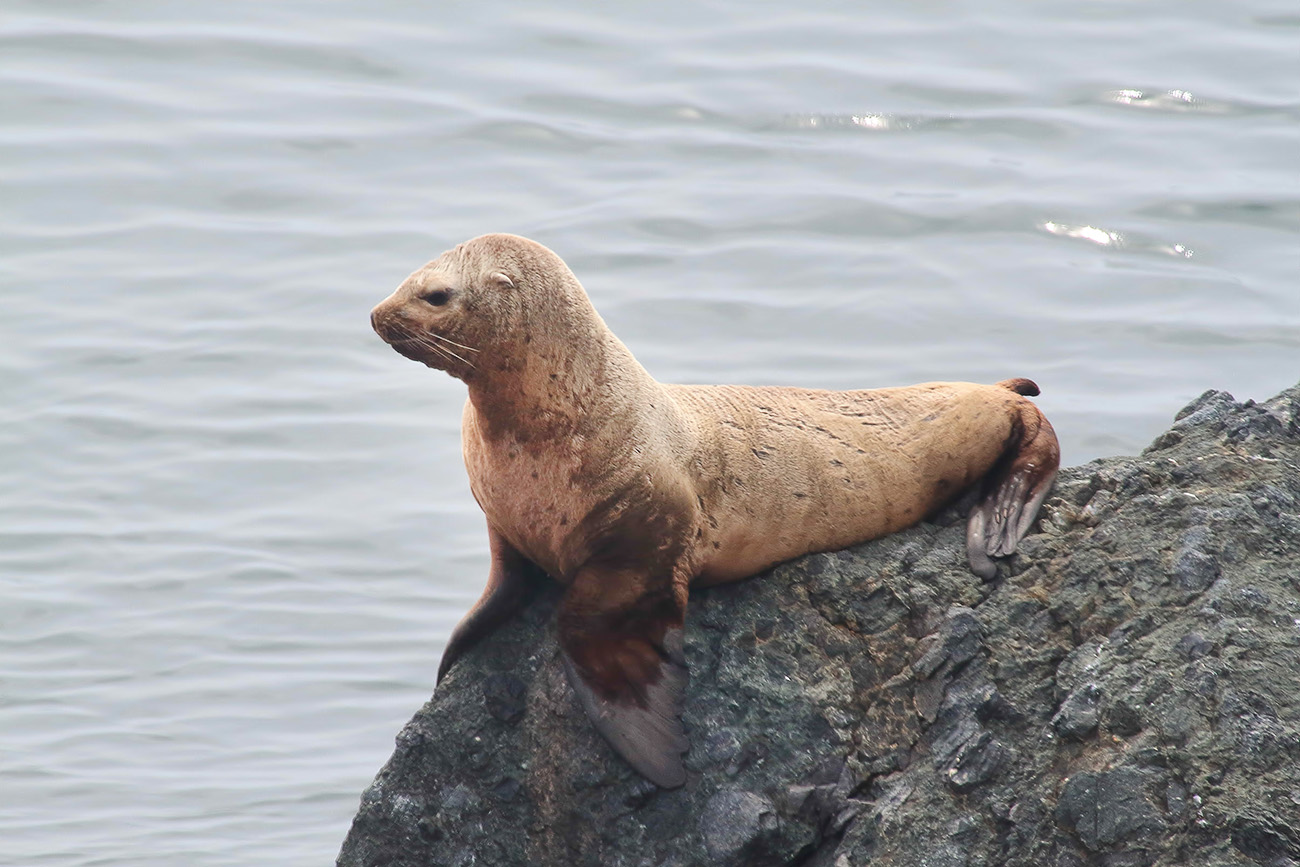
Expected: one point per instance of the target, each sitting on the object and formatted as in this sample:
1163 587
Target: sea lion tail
1020 385
1014 489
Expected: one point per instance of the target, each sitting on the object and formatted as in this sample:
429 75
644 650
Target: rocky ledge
1125 692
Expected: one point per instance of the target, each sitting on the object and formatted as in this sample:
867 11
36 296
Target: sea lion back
790 471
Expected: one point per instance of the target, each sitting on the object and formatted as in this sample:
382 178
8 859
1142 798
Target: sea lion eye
437 297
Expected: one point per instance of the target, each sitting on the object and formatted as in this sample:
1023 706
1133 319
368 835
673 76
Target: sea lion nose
381 319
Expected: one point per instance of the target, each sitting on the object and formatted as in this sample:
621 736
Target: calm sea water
234 526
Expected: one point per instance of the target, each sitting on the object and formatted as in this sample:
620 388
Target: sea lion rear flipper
628 670
511 581
1013 491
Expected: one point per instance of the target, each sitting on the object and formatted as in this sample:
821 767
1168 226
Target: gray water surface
234 526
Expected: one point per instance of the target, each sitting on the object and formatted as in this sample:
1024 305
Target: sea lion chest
527 497
578 500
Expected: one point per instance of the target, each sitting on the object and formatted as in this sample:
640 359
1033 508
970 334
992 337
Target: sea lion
629 491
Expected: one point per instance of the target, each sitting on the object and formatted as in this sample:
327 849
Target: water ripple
873 122
1278 213
1178 101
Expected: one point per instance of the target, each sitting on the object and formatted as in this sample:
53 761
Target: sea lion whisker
448 351
427 344
439 338
452 342
423 340
412 337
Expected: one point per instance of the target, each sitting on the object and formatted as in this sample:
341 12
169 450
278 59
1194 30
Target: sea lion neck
575 380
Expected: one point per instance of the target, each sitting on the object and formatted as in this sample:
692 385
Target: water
234 527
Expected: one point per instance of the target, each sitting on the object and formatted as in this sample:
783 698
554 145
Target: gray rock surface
1125 692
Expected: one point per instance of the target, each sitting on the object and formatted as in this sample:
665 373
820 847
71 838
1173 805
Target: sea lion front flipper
511 581
626 664
1013 491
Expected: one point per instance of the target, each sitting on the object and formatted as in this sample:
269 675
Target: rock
1105 808
1077 717
1124 694
503 695
1194 568
976 762
733 823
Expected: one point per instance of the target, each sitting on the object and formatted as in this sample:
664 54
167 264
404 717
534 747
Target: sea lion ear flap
502 280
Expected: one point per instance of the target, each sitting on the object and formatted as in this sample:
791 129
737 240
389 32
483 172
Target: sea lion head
473 307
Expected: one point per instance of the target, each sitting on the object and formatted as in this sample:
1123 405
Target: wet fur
629 491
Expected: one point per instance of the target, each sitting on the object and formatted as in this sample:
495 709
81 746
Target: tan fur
628 490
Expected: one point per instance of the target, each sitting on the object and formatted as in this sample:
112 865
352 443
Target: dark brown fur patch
617 652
